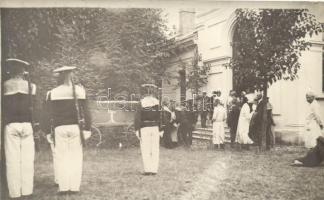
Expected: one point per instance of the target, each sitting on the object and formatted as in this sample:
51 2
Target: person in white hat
148 129
314 123
19 147
70 121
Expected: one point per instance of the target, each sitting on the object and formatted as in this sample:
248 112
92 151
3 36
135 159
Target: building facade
212 31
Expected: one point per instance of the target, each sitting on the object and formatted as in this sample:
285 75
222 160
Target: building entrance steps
207 134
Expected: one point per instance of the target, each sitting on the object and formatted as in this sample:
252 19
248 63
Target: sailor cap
64 69
17 61
149 85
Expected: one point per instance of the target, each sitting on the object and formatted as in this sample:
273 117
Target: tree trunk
263 133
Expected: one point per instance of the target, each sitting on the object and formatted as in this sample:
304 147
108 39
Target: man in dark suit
204 105
167 125
211 104
184 125
192 117
233 117
256 120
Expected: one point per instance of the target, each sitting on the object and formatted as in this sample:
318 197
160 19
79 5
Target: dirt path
207 182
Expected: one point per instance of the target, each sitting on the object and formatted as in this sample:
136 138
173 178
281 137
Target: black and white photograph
162 100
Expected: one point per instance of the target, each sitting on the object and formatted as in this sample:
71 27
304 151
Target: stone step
200 138
206 134
209 129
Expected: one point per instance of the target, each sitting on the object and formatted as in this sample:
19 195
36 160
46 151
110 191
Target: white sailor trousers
150 147
68 157
20 154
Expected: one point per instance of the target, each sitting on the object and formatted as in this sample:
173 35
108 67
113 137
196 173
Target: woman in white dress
314 123
242 134
219 117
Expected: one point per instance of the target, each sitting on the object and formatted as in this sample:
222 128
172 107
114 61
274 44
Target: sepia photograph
162 100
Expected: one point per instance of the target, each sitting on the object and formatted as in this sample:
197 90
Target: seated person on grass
314 157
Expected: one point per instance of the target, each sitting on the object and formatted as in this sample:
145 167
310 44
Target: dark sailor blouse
17 101
148 113
61 110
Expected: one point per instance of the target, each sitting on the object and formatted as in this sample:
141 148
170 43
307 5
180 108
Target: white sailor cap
149 89
64 69
18 62
149 85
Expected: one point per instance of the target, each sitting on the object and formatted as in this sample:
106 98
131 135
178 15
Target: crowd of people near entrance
240 113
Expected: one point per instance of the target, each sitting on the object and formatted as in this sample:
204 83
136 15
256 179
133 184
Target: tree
268 45
198 75
193 75
116 48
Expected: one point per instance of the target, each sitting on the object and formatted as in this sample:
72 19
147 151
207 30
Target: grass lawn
188 174
269 176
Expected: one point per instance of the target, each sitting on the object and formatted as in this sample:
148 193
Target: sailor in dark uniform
67 106
148 129
18 139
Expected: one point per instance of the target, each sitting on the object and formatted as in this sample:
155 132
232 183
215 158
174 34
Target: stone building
212 33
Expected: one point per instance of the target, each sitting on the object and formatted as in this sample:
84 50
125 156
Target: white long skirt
68 157
312 134
20 154
150 148
218 133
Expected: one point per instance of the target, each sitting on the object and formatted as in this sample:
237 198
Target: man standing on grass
233 118
148 128
19 143
69 117
185 126
256 120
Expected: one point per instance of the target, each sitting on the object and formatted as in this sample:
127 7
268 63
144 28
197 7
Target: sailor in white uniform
18 139
148 129
67 106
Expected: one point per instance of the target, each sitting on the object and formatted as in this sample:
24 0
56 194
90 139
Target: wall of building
215 47
215 31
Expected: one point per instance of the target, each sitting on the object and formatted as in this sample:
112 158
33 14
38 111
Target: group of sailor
67 123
